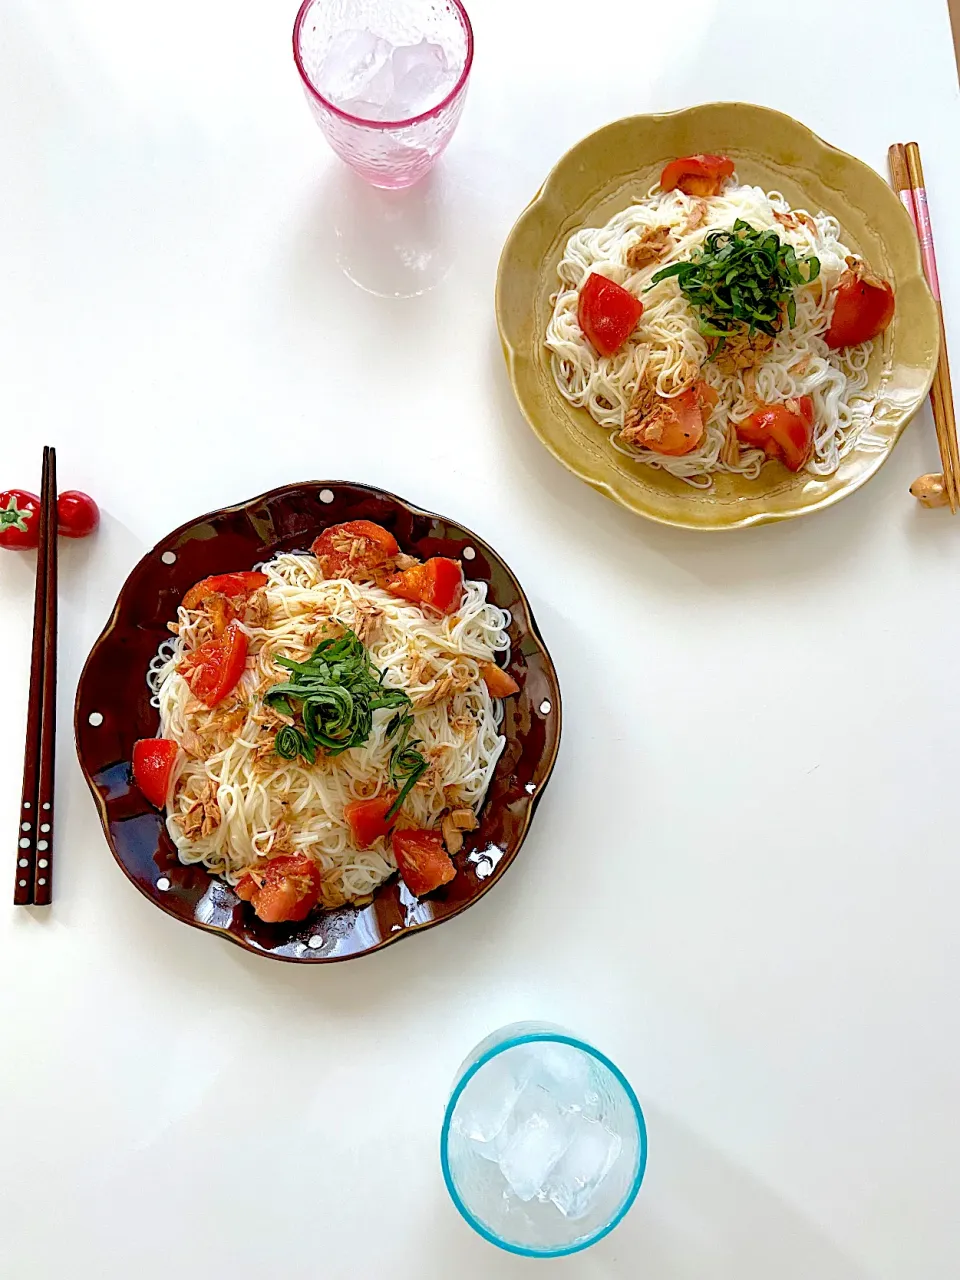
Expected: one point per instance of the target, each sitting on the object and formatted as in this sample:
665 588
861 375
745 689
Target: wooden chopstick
34 878
907 173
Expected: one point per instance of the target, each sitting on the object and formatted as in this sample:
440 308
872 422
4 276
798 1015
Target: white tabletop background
742 883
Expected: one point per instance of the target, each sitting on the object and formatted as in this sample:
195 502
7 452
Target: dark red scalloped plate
113 710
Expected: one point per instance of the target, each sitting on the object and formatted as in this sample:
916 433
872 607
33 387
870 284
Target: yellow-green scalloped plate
616 166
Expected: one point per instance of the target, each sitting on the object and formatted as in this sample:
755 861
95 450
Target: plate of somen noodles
716 318
318 721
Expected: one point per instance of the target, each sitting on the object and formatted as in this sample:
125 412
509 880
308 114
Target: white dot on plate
21 883
42 862
169 557
24 826
163 883
23 863
44 826
24 844
41 881
468 553
46 804
314 942
42 844
27 804
326 495
545 707
95 718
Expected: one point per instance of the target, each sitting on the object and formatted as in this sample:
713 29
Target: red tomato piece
783 431
214 668
19 519
438 582
287 888
500 684
422 861
863 308
607 314
77 514
368 819
154 762
232 585
676 425
699 175
354 550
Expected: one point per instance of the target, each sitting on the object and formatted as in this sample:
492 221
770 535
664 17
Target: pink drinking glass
388 153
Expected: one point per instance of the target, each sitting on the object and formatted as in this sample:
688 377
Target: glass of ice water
385 80
544 1145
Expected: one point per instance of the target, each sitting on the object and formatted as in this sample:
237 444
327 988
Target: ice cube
407 57
352 61
588 1159
490 1097
539 1137
422 78
564 1072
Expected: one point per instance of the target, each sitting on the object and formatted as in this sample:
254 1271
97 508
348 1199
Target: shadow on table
392 244
697 1217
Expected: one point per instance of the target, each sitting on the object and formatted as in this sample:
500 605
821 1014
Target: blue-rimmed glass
596 1097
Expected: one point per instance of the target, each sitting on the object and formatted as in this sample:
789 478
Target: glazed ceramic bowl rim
545 765
553 1037
383 124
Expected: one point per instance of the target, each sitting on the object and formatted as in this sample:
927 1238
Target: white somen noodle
262 801
668 351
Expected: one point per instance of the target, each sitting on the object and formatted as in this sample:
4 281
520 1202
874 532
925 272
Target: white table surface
743 881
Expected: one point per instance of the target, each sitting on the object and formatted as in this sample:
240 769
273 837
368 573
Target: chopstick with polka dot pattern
34 876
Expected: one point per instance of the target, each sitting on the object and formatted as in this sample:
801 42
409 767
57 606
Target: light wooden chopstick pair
931 490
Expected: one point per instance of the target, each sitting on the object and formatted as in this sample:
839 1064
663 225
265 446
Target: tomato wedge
676 425
783 431
154 762
354 550
863 308
607 314
438 582
699 175
232 585
287 888
213 668
500 684
368 819
422 861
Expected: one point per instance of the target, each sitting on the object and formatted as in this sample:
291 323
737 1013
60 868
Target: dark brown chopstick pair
906 171
34 877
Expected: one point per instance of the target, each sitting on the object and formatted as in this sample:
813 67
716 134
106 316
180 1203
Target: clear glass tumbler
385 80
543 1146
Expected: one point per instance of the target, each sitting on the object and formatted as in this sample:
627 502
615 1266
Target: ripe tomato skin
438 582
288 889
213 668
783 431
864 307
422 861
368 819
232 585
699 175
154 760
500 684
19 519
607 313
354 550
676 425
77 514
